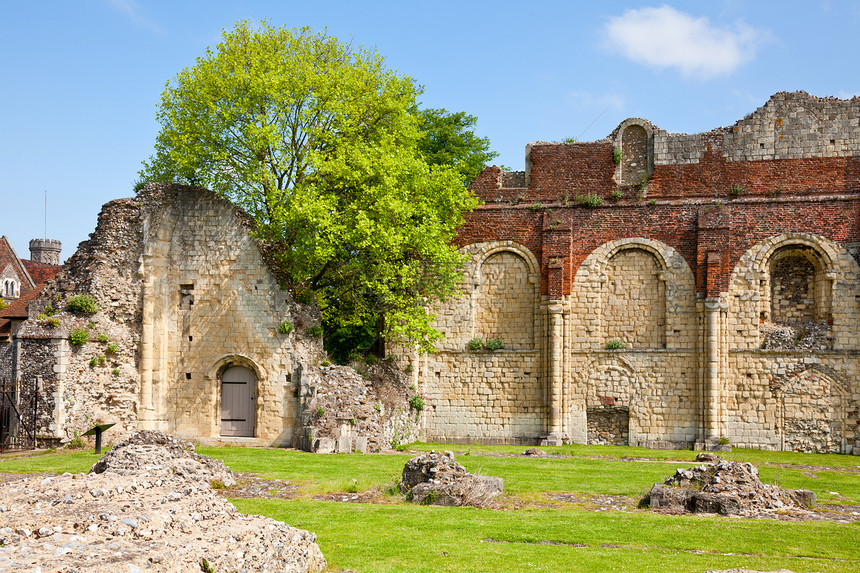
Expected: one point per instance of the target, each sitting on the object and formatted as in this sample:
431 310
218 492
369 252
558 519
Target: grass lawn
416 538
562 537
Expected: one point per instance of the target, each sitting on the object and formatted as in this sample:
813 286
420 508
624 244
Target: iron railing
17 419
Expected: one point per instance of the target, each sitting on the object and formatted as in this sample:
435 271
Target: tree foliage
449 139
319 141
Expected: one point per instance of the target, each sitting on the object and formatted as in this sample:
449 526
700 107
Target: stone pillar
713 378
556 372
146 416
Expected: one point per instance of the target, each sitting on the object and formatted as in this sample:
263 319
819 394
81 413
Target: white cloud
584 99
666 38
845 94
131 10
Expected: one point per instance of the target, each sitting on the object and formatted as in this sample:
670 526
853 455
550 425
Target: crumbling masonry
724 264
654 289
193 336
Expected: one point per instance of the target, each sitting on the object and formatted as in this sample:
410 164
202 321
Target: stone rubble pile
801 336
438 479
727 488
149 507
156 454
535 452
344 411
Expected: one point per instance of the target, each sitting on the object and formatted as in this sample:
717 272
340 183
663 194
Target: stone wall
504 311
706 250
88 384
484 397
210 302
634 301
183 293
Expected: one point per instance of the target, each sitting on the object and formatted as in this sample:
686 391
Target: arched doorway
238 401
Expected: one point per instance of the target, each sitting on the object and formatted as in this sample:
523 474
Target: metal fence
17 419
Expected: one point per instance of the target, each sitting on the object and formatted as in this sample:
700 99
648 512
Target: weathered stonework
188 310
704 246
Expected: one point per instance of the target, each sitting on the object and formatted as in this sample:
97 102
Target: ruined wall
183 294
92 383
484 397
211 303
724 263
476 394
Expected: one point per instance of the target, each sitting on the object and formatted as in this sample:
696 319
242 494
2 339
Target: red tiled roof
41 272
18 307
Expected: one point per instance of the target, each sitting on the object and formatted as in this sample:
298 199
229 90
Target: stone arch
228 360
505 281
656 271
634 138
813 404
610 401
479 252
634 299
796 286
828 275
215 376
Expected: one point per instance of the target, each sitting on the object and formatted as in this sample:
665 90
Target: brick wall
699 240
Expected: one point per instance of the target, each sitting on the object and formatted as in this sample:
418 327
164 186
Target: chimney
45 251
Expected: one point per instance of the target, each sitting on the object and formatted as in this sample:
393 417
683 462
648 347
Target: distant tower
45 251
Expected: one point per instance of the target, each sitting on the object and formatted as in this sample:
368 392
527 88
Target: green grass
399 536
416 538
60 461
757 457
316 473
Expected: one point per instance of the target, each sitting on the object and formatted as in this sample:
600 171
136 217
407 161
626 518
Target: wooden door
238 403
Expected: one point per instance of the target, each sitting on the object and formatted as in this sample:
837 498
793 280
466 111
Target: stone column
712 386
555 371
146 416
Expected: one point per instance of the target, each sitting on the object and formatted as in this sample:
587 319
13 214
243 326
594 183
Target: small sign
97 432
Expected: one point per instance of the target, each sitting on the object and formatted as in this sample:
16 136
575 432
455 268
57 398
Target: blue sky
81 80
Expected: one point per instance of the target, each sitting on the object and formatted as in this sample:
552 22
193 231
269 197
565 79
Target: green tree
449 139
319 142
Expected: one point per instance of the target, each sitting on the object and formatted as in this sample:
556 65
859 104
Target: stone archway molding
479 252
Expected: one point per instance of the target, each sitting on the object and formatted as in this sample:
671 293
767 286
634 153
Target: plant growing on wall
82 304
79 336
616 155
285 327
51 321
615 344
589 200
416 402
475 344
737 189
494 343
325 147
